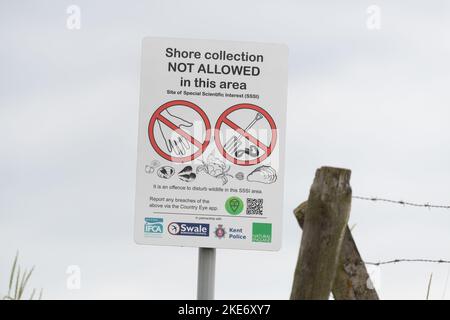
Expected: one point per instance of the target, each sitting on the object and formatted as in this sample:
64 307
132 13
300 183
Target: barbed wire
411 204
404 203
440 261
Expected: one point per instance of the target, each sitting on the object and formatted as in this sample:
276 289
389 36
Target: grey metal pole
206 273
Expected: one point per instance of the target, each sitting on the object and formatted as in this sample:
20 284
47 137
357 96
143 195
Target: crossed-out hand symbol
174 143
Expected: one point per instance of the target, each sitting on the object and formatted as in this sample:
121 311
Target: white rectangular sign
210 166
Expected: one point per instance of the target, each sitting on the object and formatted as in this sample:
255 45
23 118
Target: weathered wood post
352 281
326 218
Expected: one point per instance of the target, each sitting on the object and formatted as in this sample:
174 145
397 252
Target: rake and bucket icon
232 145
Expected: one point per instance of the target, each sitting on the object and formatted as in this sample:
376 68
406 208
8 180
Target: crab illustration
215 168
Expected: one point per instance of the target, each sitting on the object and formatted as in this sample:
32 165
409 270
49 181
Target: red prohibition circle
223 119
200 145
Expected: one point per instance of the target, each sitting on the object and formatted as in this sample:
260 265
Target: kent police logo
220 231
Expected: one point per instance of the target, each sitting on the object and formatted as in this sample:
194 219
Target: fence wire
411 204
394 261
404 203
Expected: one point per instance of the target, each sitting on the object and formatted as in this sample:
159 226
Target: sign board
210 166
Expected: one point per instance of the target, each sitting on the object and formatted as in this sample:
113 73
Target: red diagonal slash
223 119
245 134
158 117
181 132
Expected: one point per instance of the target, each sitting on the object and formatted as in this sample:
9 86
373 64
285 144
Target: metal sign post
206 273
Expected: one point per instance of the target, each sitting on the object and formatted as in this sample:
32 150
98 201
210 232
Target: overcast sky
373 101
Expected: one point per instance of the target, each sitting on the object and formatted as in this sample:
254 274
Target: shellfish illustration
215 168
165 172
263 174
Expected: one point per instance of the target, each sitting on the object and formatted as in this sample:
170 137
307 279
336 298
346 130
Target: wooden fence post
352 282
326 218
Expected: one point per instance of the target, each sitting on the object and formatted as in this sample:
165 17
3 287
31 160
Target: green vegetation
18 281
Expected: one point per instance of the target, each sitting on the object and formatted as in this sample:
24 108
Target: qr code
254 206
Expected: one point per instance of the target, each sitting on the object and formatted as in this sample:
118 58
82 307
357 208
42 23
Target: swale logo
153 226
188 229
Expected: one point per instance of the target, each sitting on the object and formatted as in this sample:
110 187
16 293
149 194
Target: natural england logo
261 232
188 229
153 226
